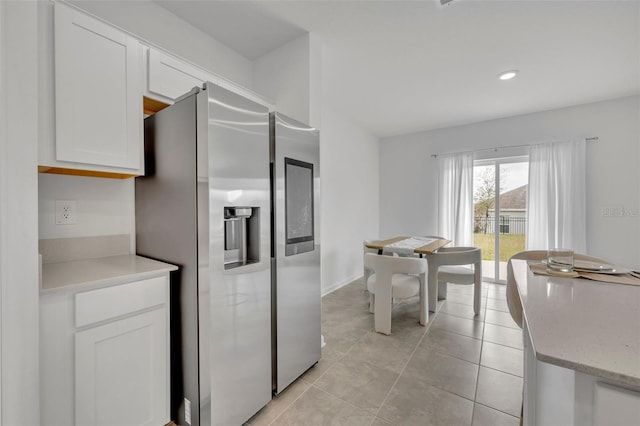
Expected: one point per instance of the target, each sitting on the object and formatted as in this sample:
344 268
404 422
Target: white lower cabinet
121 376
614 405
555 395
104 354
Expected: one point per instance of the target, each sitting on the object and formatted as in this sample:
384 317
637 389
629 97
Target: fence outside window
508 225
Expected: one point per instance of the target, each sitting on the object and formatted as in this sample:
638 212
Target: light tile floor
460 369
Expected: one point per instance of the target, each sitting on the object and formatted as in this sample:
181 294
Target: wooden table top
426 249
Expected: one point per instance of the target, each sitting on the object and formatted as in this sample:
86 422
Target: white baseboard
339 284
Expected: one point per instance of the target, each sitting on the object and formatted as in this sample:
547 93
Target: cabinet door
614 405
170 78
98 93
122 373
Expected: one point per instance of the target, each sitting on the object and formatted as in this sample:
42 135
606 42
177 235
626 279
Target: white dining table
429 247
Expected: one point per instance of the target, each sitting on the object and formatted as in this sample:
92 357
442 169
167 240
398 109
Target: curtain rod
594 138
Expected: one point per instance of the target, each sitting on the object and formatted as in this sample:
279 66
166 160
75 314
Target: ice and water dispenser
241 236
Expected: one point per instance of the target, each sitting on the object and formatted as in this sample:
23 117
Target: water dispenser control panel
241 236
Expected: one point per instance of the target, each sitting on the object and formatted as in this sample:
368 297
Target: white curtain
556 202
455 198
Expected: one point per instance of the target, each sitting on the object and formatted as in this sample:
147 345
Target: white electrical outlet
65 212
187 411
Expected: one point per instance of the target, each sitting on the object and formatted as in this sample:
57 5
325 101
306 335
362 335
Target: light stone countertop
588 326
101 271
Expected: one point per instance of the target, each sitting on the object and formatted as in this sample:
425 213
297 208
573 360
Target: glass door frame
497 162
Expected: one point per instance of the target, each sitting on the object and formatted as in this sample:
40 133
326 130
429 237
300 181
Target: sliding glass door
500 212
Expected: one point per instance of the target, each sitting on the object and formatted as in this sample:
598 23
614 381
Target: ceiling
396 67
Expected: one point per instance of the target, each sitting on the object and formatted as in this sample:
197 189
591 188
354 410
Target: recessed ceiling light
508 75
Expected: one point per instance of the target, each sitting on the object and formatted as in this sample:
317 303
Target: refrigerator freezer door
296 282
237 320
166 213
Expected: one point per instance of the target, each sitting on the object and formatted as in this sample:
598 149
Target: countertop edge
116 277
619 378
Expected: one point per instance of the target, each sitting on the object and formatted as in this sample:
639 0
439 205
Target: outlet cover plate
65 212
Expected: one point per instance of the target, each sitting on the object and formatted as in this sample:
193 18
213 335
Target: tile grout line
489 368
495 409
500 371
475 393
483 328
427 327
311 384
417 345
375 416
289 405
465 335
348 402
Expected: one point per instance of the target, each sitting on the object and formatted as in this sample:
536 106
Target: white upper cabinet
168 78
104 348
98 96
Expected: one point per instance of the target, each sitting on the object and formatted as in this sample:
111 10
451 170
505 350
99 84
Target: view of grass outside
509 245
504 180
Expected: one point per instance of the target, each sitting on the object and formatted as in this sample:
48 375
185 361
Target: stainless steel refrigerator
295 157
206 205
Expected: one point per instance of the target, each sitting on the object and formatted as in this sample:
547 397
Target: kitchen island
581 350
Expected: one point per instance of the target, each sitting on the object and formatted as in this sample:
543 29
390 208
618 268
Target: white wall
3 180
19 403
316 61
408 194
349 167
613 175
148 21
104 206
292 76
283 76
